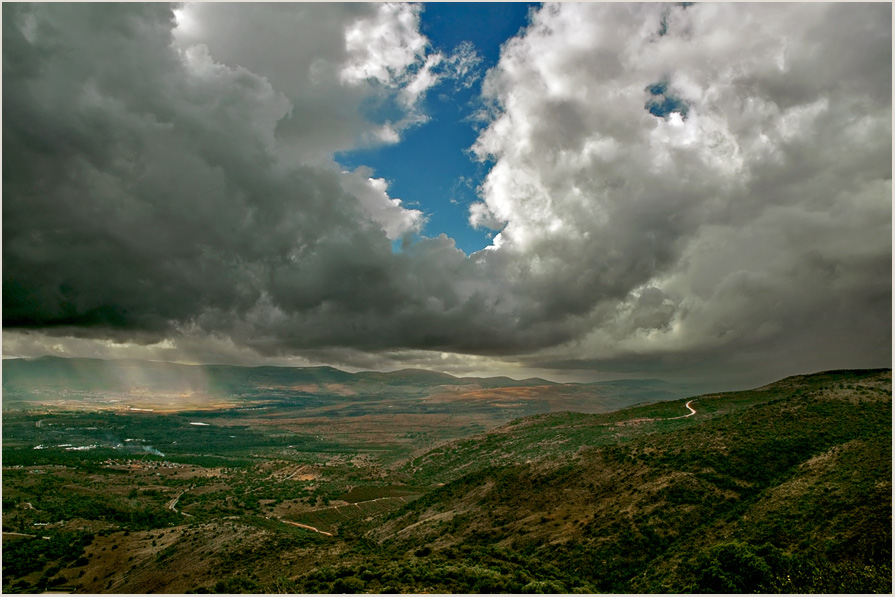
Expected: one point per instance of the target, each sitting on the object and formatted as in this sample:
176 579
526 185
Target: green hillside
782 489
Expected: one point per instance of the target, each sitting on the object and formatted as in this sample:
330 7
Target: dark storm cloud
144 196
169 178
142 189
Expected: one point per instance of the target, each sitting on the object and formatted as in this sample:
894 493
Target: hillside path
690 414
630 421
173 505
307 526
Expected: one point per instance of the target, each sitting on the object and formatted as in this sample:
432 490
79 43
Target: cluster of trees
464 569
25 556
740 567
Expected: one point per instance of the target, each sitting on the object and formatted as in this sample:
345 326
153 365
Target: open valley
786 488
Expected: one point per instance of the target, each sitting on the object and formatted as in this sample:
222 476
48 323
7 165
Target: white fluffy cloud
384 46
736 217
675 188
388 50
395 220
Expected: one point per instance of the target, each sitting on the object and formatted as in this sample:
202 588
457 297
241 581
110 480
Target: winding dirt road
172 505
691 413
644 420
307 526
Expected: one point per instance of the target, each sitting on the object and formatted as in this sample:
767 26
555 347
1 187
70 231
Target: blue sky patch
664 102
430 169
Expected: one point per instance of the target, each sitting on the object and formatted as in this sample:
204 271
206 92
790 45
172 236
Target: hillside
785 488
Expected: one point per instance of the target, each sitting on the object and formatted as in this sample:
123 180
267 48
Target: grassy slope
785 488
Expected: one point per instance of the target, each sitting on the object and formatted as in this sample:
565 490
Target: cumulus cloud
300 49
143 192
755 217
395 220
383 46
387 50
674 187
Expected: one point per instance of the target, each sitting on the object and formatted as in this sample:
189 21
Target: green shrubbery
28 555
467 569
740 567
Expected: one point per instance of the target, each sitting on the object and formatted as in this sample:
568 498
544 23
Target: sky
432 165
581 191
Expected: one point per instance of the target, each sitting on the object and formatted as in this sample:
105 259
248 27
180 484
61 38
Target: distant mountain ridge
74 375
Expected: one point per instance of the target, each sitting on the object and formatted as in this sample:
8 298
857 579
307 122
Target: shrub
351 584
732 568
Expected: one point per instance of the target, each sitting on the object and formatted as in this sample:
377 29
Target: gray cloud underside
155 188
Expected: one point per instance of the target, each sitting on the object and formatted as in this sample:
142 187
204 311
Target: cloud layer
674 188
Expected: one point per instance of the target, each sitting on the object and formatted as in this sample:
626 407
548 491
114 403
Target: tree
732 567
